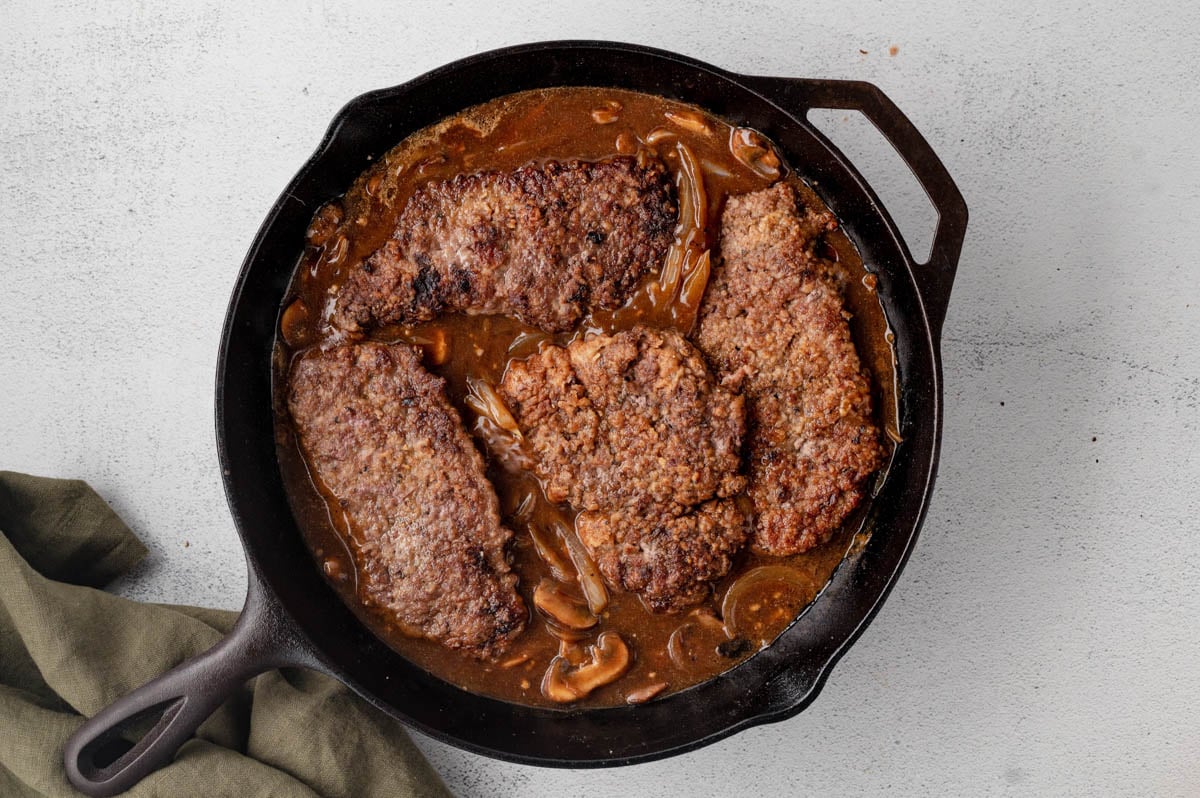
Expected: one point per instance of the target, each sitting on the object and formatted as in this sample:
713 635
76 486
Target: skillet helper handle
182 699
935 278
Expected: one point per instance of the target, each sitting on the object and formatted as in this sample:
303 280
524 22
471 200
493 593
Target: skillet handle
934 278
182 699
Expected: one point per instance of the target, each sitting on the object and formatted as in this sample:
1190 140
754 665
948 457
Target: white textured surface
1044 637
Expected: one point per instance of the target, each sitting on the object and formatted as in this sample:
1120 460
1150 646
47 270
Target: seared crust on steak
382 437
773 325
632 431
543 243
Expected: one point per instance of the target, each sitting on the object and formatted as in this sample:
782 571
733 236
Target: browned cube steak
632 431
774 326
383 438
543 243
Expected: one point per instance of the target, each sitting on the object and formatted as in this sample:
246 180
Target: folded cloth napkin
68 649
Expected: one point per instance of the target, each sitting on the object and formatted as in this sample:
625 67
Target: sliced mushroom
609 113
610 658
556 604
530 504
659 134
293 323
754 152
689 121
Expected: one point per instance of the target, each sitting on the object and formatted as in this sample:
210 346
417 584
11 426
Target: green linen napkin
67 650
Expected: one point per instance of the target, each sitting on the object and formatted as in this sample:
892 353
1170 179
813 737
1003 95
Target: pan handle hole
883 168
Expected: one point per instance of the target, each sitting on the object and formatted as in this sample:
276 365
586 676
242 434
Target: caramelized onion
434 343
693 218
672 271
483 399
590 580
504 447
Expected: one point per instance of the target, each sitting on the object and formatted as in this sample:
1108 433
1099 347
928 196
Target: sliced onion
590 581
545 541
483 399
641 695
695 282
751 588
691 188
659 134
714 169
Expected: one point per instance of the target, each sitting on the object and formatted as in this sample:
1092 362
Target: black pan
292 617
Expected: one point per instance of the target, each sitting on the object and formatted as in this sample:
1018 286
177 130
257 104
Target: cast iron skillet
293 618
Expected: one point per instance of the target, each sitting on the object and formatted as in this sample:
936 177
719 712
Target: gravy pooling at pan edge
575 631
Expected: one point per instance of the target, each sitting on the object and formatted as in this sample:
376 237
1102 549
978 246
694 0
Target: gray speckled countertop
1044 637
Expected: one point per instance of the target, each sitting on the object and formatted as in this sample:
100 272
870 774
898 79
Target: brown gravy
710 160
